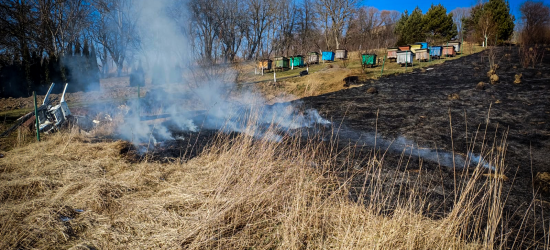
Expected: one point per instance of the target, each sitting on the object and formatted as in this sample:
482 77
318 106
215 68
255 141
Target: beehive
405 57
404 47
297 61
392 53
414 47
368 60
265 64
341 54
281 62
449 50
421 54
328 56
456 45
435 51
313 57
423 45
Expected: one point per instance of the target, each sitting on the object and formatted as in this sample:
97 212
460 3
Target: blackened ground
420 107
188 145
417 106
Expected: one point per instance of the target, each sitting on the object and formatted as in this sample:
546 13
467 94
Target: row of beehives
402 55
291 62
422 52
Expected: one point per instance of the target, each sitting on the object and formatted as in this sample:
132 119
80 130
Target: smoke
209 98
190 88
409 147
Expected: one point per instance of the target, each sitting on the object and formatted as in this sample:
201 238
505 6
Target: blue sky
402 5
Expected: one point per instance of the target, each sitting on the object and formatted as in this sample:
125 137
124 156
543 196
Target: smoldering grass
243 191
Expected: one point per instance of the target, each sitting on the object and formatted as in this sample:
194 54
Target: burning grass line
266 195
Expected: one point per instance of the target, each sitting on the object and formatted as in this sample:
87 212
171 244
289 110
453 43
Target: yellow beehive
414 47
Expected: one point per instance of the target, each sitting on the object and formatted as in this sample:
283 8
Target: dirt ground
418 107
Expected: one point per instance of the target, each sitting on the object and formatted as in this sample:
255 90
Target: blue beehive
435 51
423 45
328 56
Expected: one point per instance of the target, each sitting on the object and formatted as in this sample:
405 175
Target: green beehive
297 61
368 60
282 62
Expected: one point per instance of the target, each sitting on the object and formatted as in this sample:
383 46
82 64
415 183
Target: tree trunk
336 40
119 68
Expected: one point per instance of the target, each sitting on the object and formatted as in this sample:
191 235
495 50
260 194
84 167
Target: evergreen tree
175 74
36 71
414 27
86 49
93 70
46 65
439 26
137 77
501 23
54 70
65 71
78 79
410 28
159 75
399 27
503 19
12 77
77 50
84 67
26 66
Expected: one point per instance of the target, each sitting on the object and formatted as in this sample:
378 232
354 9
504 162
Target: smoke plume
186 88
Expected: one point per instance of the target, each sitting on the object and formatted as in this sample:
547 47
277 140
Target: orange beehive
405 47
449 51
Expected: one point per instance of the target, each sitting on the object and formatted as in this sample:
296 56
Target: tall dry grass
530 55
242 192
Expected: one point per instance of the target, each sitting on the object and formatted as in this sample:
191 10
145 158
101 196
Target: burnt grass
417 106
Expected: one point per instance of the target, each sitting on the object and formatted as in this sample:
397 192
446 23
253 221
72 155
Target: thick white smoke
164 45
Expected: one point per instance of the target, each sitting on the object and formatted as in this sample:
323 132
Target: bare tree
459 14
69 19
389 20
535 21
16 25
335 14
207 24
43 24
115 29
364 29
232 28
306 27
285 27
260 13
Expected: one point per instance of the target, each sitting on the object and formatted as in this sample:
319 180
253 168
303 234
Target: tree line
81 40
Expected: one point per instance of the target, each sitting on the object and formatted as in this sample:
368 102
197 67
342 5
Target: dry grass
530 55
322 82
69 191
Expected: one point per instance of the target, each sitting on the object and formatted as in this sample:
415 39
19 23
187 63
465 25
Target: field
442 109
423 159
